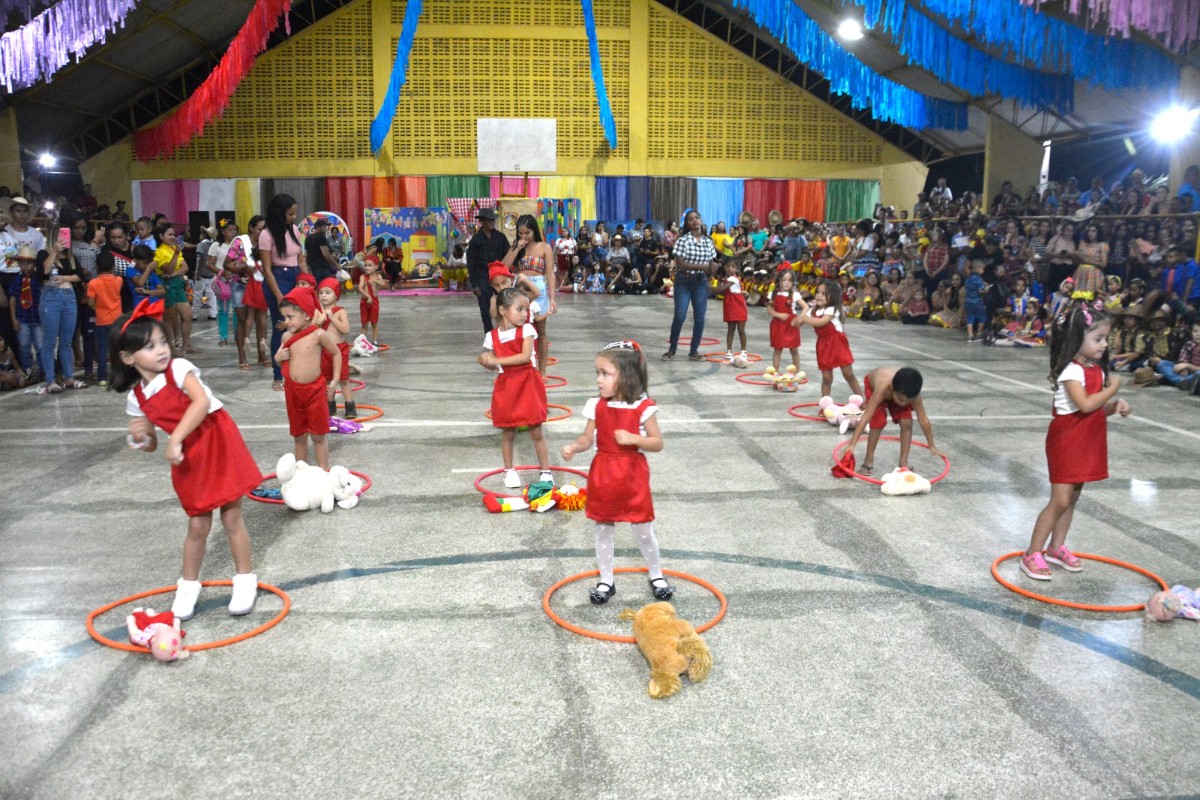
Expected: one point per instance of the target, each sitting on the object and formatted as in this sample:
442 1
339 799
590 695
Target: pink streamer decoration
1175 22
45 44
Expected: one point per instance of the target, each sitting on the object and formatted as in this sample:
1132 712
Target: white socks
643 533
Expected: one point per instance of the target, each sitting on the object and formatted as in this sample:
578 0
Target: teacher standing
486 246
694 255
283 259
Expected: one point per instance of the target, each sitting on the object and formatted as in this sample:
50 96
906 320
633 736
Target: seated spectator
1183 371
916 309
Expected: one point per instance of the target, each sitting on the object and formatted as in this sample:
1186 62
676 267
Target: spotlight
48 205
47 160
1174 124
850 30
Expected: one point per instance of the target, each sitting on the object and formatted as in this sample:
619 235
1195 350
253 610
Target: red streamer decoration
211 99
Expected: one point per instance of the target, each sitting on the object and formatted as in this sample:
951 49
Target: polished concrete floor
867 651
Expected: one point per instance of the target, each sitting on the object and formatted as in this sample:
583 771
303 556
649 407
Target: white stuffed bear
842 416
902 481
304 486
361 346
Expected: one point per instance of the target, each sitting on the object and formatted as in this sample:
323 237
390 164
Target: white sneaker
186 595
511 479
546 477
245 592
728 356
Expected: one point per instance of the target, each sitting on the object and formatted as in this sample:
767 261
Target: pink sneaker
1035 567
1062 557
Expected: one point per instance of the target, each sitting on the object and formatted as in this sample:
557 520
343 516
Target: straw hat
1145 376
26 253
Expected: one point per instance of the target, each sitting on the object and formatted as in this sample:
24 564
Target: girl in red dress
621 422
734 310
210 465
518 395
1077 442
828 318
785 325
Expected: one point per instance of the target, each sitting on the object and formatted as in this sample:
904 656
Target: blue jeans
1178 380
285 279
29 338
102 334
690 287
58 311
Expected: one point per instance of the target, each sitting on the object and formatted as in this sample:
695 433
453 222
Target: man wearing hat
486 246
18 233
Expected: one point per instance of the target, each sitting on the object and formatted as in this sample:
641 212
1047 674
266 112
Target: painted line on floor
1026 384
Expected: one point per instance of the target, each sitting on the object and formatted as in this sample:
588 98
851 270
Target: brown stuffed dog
671 645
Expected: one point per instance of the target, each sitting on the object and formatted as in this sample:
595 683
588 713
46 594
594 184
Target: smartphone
64 238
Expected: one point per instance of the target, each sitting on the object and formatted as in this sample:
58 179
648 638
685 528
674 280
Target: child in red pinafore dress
621 423
368 307
1077 441
734 311
304 387
827 318
337 325
210 465
785 325
518 395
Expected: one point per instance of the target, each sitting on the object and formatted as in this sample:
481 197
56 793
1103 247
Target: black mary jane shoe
602 593
664 592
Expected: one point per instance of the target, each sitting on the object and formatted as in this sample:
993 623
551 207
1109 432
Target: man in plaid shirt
694 256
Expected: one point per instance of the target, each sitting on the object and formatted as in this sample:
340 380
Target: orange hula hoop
1071 604
133 648
378 412
612 637
488 413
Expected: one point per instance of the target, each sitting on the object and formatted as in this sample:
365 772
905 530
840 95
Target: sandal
695 357
277 386
1062 557
262 362
73 384
664 592
244 365
599 596
669 355
865 469
1033 565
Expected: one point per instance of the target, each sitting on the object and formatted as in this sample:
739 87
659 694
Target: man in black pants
486 246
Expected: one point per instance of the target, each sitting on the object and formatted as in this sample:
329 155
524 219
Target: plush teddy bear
304 486
362 346
160 633
671 645
902 481
842 416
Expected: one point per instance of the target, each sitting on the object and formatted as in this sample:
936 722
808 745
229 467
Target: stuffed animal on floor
570 497
304 486
671 645
842 416
902 481
339 425
1179 602
160 633
740 361
361 346
790 379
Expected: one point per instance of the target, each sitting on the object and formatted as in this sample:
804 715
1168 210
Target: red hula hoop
837 458
797 414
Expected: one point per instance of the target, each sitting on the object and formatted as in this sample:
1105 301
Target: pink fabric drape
398 191
765 196
806 199
173 198
514 186
347 197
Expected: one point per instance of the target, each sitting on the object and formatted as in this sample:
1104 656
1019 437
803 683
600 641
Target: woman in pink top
282 262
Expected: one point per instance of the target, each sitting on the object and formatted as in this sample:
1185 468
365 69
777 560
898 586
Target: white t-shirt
829 311
218 252
180 367
527 332
1062 401
10 243
735 284
589 412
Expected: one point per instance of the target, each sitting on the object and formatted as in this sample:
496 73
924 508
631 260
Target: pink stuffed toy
158 632
1180 601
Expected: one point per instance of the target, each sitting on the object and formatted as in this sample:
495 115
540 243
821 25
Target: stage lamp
1174 124
47 161
850 30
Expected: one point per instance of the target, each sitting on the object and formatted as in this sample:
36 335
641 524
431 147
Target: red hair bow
152 308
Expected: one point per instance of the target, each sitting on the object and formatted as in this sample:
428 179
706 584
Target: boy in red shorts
368 306
304 387
337 325
895 391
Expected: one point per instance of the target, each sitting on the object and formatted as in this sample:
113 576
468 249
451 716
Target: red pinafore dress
734 309
618 484
833 348
518 395
783 335
327 359
217 468
1077 443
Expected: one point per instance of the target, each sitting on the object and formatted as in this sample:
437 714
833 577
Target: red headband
304 298
498 269
146 308
330 283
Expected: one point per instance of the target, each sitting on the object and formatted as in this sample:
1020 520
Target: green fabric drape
440 187
850 201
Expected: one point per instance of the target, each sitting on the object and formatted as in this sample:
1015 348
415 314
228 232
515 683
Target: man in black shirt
486 246
321 260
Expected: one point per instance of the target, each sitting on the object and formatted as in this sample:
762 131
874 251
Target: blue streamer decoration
1044 42
391 101
606 115
885 99
925 43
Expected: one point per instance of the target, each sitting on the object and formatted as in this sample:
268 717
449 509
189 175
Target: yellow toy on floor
671 645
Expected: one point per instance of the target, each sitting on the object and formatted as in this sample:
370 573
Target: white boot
186 594
245 592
